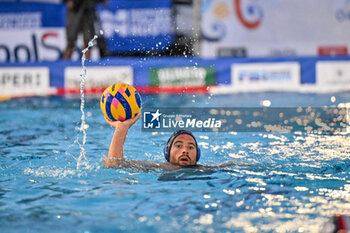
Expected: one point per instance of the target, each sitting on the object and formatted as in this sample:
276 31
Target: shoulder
137 164
220 165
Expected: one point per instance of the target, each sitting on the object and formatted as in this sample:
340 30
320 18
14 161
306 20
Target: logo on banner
22 81
182 76
333 73
30 46
98 76
266 76
342 12
151 120
169 119
332 50
252 16
139 27
136 22
20 21
31 32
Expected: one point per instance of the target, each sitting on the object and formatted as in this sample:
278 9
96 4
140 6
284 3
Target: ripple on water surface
293 182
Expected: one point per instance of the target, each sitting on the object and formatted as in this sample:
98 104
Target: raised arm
115 152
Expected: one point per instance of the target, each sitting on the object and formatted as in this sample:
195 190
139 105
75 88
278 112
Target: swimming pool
295 182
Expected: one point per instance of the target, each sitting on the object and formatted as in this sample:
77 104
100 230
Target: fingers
128 122
137 117
133 120
109 122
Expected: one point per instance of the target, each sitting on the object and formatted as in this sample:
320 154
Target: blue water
294 182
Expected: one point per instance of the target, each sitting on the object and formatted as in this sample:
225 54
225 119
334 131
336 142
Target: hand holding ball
120 102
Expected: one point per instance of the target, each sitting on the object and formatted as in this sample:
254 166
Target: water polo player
181 150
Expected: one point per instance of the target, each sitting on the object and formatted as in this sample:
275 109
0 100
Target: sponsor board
333 72
134 26
31 32
45 44
259 26
24 81
258 119
182 76
265 76
332 50
231 52
97 76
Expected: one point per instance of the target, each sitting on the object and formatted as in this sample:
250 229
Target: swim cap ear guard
167 148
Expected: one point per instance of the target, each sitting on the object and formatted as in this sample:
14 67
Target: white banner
265 76
98 77
272 28
333 73
30 45
24 81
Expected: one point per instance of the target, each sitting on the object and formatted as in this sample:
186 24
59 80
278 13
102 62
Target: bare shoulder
138 164
222 165
152 166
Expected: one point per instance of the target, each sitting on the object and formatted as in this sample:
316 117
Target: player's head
182 149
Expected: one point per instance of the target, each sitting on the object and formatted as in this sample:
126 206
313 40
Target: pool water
295 182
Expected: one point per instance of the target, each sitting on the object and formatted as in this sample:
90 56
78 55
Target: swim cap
167 148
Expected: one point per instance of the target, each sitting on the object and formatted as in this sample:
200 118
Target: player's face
183 151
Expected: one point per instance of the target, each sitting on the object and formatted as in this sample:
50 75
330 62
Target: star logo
152 119
156 115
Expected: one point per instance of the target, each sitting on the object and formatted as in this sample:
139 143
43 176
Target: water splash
82 160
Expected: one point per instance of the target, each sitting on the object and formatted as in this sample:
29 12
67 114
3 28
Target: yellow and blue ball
120 102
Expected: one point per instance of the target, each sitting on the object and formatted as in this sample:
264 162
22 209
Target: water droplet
265 103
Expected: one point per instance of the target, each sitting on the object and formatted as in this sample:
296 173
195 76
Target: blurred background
244 45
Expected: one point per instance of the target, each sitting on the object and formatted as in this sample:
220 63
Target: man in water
181 150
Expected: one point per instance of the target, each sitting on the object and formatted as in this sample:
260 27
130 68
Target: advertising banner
266 76
31 32
275 28
333 73
24 81
97 77
134 26
182 76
